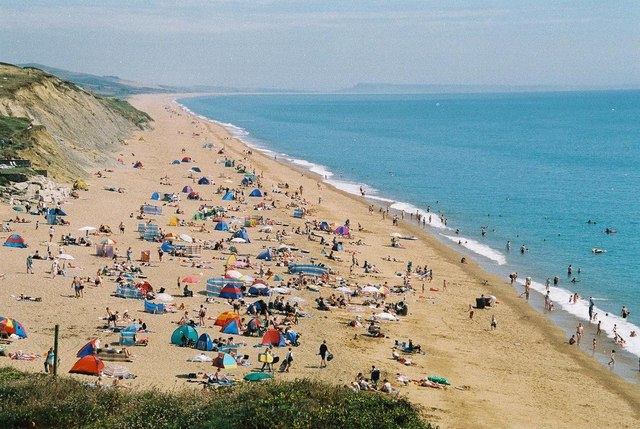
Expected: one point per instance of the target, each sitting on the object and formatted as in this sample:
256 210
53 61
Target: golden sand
523 374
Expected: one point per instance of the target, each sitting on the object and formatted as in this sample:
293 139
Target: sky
331 44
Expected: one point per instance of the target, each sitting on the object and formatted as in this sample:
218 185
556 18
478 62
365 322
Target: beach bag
330 357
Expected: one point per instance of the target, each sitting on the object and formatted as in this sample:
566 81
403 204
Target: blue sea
533 168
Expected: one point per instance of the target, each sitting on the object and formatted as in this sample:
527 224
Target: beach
522 374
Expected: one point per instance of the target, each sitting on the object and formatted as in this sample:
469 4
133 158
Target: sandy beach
522 374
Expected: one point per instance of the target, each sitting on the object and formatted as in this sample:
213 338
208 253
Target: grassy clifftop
59 126
38 401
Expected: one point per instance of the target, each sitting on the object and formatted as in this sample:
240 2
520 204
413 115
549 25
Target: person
121 227
288 359
579 332
29 264
375 375
51 232
268 362
591 304
572 340
494 323
46 360
599 328
51 359
593 344
201 314
160 253
386 387
612 359
625 312
324 352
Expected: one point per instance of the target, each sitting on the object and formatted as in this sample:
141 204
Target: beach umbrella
12 327
108 241
233 274
164 297
259 286
370 289
187 238
258 376
170 236
115 371
238 240
191 279
87 228
65 256
384 290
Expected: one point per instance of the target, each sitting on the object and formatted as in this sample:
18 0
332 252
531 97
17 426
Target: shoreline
521 375
565 316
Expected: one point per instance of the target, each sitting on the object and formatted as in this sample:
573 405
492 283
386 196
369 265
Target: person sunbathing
23 297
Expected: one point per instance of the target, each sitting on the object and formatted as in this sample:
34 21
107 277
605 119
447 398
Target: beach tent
155 196
184 331
230 291
57 212
341 230
204 181
225 360
167 247
259 291
324 225
169 197
176 161
87 349
204 343
15 240
256 193
221 226
173 221
195 169
232 327
224 317
298 213
229 196
193 196
308 269
187 189
186 159
12 327
273 337
138 164
245 181
88 365
153 307
242 234
265 254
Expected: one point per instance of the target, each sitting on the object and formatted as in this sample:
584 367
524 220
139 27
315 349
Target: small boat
596 250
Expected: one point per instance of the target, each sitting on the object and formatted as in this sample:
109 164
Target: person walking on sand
51 232
324 352
29 264
121 227
494 323
612 359
201 314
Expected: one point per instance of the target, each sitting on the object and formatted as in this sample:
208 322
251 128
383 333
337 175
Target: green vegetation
15 129
38 401
13 78
139 118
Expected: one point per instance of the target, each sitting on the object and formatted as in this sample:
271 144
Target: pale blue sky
329 44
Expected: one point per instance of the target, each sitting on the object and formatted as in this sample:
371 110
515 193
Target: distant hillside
111 86
59 126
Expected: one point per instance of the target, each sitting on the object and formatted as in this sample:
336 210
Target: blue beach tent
155 196
204 343
15 240
230 291
232 327
221 226
196 169
186 331
204 181
242 234
228 196
256 193
265 254
176 162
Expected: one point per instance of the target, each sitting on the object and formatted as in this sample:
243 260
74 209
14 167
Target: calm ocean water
532 168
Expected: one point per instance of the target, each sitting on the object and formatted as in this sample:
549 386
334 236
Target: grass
16 129
139 118
38 401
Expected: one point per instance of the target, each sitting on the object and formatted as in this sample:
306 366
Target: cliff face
71 129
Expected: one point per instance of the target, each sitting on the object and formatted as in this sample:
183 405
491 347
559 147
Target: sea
548 172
